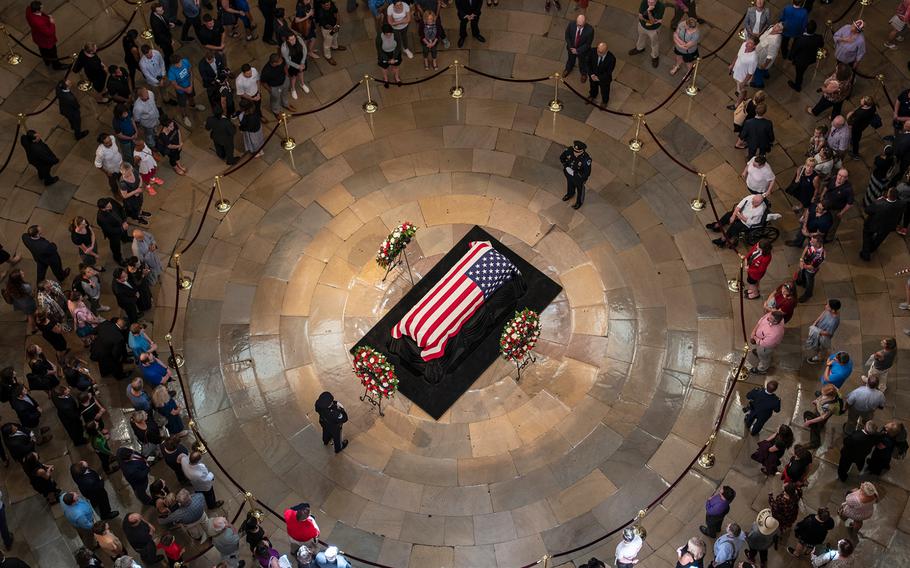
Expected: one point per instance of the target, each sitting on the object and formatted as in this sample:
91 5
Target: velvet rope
506 79
433 75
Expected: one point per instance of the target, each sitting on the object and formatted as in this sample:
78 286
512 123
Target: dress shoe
792 244
865 256
218 504
635 51
704 530
113 515
584 78
655 61
566 72
51 180
59 67
461 42
332 61
793 86
340 48
719 242
576 206
566 197
81 135
804 298
344 444
66 273
480 38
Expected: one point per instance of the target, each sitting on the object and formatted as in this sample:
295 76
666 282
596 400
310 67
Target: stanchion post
735 284
175 360
198 446
370 106
707 459
251 504
556 104
185 281
698 203
22 118
287 142
83 85
222 205
457 91
638 527
12 57
147 32
635 143
692 89
862 6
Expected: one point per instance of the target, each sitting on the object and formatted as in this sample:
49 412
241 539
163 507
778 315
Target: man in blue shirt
153 370
729 545
838 369
794 18
181 76
80 515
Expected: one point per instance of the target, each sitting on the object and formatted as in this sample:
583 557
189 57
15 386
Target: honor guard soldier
576 165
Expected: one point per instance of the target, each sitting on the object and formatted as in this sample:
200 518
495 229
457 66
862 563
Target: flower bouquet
375 372
519 336
392 246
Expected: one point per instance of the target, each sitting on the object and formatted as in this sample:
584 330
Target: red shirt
757 263
44 32
301 531
173 552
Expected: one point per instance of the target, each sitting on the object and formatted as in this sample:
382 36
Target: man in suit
332 417
579 37
221 131
161 32
45 254
882 218
601 66
469 11
127 296
804 53
26 408
39 155
69 413
211 69
136 472
109 348
762 404
69 108
576 166
112 220
91 485
857 445
757 132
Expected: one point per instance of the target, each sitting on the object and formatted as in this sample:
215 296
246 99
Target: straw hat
767 524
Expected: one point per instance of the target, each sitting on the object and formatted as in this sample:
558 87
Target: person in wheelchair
750 213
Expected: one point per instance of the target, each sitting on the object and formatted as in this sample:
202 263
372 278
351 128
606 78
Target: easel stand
524 362
374 400
396 261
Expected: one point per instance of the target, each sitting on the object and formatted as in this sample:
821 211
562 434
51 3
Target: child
822 330
429 38
172 550
148 167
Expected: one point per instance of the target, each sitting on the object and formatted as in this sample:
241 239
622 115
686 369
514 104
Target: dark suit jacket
125 294
221 130
67 409
135 471
27 411
468 7
69 104
758 133
207 73
804 49
111 222
604 71
20 444
883 215
587 37
42 249
858 445
89 482
763 404
161 31
110 342
38 153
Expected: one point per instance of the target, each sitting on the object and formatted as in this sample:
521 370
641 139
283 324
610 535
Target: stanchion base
697 204
288 144
84 86
456 92
186 283
742 35
734 285
706 460
821 54
635 145
222 205
147 34
176 361
370 107
13 58
555 105
691 90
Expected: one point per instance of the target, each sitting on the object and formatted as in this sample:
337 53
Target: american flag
452 301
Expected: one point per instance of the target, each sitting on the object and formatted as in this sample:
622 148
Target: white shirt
147 161
745 64
626 552
758 177
395 17
768 46
248 86
152 68
756 28
200 477
108 158
750 213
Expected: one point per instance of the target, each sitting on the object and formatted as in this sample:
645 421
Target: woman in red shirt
44 34
757 261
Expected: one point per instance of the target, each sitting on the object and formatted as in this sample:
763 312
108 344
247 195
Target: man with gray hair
226 541
145 112
190 515
862 402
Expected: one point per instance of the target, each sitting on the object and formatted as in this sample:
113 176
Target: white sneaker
904 306
200 107
890 45
774 216
187 122
294 94
409 53
305 88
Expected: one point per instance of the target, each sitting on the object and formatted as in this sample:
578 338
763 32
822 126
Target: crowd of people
153 98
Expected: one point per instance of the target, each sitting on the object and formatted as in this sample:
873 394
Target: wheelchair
764 230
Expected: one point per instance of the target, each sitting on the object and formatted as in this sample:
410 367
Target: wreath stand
524 362
373 400
395 261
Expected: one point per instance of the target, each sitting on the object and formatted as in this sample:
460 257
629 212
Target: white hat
767 524
331 552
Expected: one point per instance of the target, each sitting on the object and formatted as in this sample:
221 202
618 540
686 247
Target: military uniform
576 166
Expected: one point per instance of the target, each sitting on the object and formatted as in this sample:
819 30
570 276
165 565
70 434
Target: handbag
876 121
739 114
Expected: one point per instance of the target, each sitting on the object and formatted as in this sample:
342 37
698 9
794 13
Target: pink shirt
768 334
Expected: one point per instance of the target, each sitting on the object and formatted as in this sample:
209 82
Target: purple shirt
717 506
849 52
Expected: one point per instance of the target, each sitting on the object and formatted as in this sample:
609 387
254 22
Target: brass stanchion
251 504
84 85
862 6
820 56
692 89
176 360
287 142
22 118
638 527
185 281
370 106
545 560
735 284
198 446
738 373
556 104
12 57
222 205
147 32
457 91
635 143
698 203
707 460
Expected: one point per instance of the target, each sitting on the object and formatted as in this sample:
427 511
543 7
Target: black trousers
846 462
100 501
572 186
210 500
116 249
463 27
188 23
824 104
582 63
226 153
800 73
56 267
75 120
806 279
755 423
603 87
714 523
331 434
74 430
44 171
734 228
132 312
856 134
872 239
784 45
142 492
268 25
49 55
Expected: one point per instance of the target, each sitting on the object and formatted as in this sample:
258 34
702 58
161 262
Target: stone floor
634 352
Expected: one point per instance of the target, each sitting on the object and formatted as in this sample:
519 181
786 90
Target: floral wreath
395 243
520 335
375 372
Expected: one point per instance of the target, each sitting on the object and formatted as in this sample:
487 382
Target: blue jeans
759 78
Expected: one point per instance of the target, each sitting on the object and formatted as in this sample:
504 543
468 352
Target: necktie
577 36
600 60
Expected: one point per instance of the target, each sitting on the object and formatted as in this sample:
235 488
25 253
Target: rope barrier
415 81
506 79
12 148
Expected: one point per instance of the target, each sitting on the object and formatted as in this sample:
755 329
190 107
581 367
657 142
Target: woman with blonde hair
858 506
131 192
685 42
805 186
691 554
147 433
168 407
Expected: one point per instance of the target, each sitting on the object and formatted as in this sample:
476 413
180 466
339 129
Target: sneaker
813 360
907 332
904 306
899 38
889 45
409 53
294 94
187 122
306 89
151 189
902 231
200 107
157 181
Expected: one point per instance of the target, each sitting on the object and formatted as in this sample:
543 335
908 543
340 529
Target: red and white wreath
394 243
375 372
520 335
